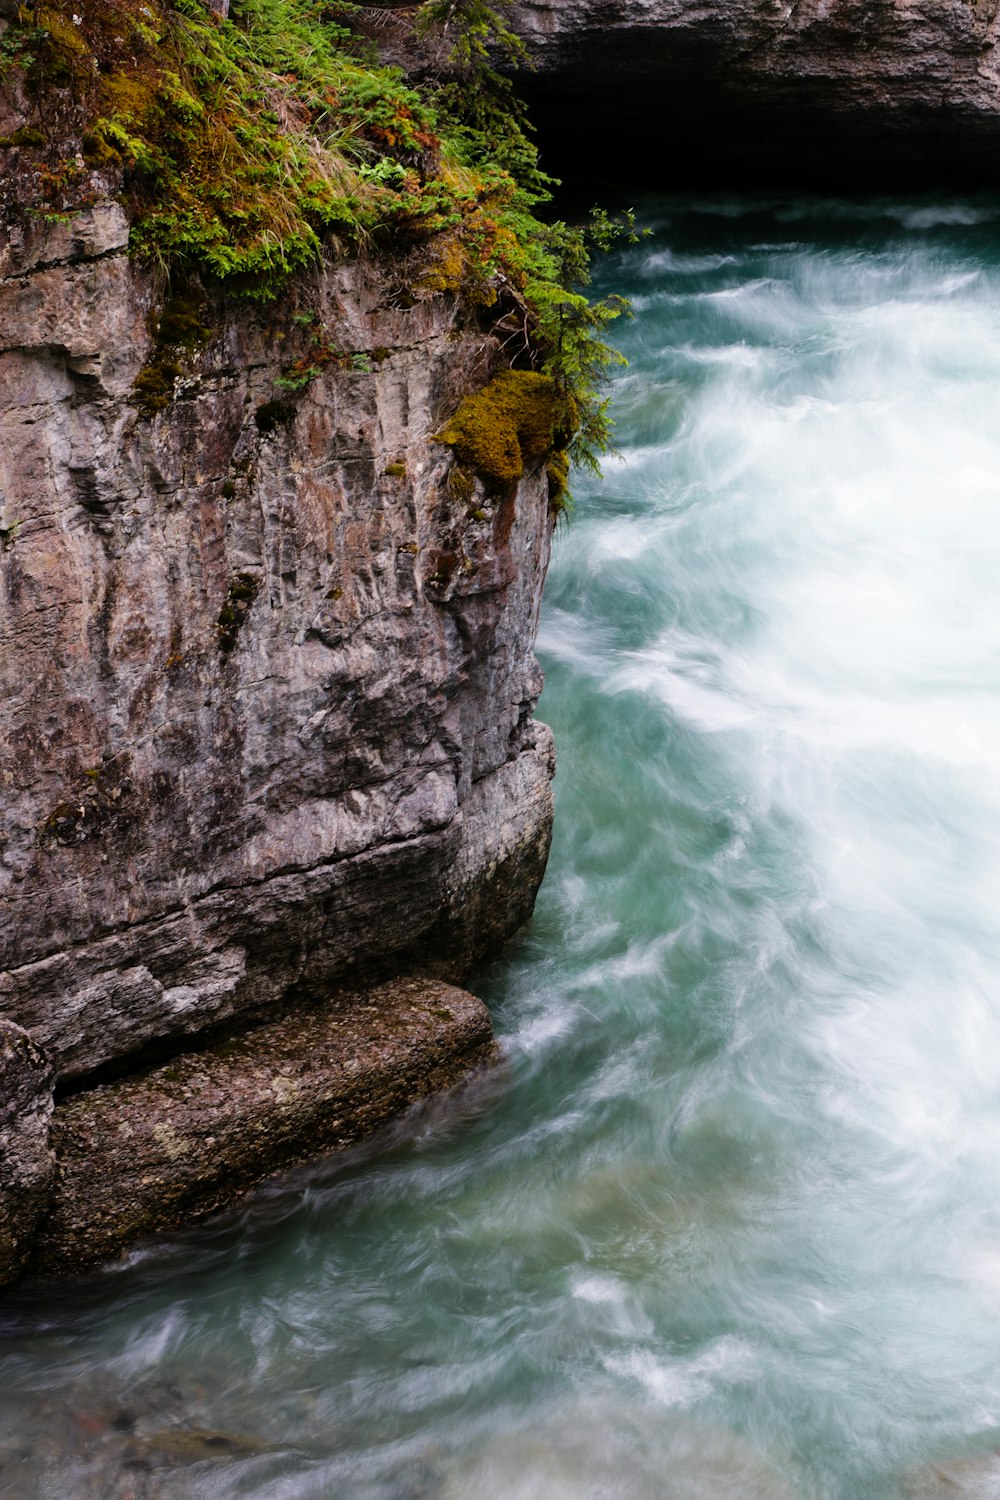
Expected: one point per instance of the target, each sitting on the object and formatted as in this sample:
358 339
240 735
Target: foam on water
728 1225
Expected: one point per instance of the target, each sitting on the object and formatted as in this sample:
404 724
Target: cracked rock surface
151 1152
267 683
27 1163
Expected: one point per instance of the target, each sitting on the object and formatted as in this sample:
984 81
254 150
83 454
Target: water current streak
730 1227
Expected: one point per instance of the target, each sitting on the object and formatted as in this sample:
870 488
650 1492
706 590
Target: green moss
63 35
557 472
97 152
26 136
179 332
154 385
461 482
510 426
182 322
244 143
58 46
245 148
395 471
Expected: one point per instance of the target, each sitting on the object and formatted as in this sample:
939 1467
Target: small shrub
244 148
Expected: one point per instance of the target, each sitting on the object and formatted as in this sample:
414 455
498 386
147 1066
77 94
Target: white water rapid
728 1227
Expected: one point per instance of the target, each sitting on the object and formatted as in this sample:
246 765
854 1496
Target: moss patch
244 148
557 473
26 136
513 424
240 145
179 333
461 483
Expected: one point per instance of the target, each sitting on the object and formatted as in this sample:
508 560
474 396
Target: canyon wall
810 93
266 678
267 674
265 648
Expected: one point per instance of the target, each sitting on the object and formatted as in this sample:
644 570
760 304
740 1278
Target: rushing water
729 1226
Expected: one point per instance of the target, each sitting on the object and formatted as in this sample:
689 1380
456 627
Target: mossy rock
155 382
557 473
461 483
179 332
248 148
511 426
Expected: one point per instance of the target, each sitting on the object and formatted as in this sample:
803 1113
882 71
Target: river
727 1227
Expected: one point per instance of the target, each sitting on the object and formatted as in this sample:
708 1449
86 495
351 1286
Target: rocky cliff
268 681
819 93
268 678
289 376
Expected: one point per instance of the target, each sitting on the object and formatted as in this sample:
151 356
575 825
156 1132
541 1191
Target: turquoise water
729 1223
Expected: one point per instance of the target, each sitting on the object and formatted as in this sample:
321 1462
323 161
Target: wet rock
174 1447
500 862
152 1152
27 1164
975 1478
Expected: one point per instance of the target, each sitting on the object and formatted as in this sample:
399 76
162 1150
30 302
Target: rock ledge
149 1153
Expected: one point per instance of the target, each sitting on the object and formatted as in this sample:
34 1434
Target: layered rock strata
844 93
27 1162
148 1153
267 674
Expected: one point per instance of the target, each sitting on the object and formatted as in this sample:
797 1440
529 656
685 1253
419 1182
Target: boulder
154 1151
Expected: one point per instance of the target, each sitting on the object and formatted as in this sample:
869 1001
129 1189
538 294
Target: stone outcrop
151 1152
257 658
844 93
266 667
267 674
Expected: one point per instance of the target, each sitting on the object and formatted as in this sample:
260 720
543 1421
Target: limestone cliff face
828 92
269 776
267 680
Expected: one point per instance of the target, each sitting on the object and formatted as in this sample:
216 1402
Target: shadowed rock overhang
822 93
